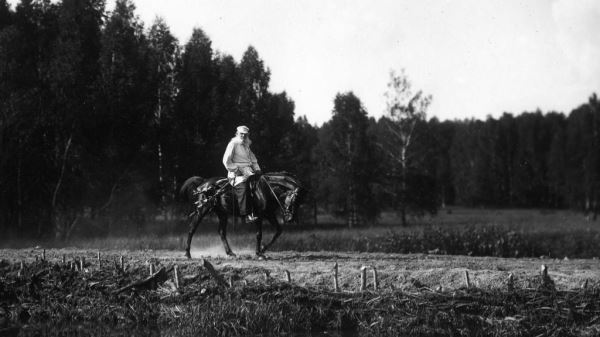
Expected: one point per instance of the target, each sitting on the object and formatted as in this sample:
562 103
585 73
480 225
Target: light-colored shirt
239 160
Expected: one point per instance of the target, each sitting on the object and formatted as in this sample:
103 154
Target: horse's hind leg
196 218
273 221
223 233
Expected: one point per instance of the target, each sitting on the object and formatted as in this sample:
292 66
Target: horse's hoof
187 254
231 254
261 256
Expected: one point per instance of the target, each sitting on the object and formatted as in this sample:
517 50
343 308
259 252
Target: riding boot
250 201
242 196
250 218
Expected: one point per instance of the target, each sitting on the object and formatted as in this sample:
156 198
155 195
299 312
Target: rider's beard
246 141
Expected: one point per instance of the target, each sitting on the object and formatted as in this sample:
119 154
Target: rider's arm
227 158
254 162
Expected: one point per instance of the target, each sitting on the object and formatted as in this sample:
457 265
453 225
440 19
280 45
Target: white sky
476 58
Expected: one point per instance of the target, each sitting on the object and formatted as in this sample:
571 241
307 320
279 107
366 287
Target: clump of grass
479 240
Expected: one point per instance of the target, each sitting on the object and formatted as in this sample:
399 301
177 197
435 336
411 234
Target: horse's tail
189 186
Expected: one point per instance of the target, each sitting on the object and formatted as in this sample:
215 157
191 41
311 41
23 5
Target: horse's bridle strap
274 195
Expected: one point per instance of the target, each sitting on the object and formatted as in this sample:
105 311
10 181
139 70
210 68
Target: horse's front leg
273 221
223 233
259 250
196 219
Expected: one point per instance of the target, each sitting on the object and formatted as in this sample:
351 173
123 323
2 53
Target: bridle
290 198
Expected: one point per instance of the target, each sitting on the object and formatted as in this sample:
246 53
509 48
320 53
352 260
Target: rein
274 195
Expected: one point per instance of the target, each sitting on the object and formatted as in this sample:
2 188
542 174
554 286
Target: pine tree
347 166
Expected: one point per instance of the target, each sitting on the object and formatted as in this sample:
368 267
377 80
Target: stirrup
251 218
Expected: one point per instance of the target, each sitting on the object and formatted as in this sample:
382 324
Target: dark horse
271 193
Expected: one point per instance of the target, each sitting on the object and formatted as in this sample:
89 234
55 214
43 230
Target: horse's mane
284 179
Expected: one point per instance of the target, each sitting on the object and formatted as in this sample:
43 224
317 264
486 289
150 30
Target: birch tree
405 108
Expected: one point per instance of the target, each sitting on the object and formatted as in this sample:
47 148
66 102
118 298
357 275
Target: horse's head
287 190
293 199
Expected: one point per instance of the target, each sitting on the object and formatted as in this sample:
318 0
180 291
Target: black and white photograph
301 168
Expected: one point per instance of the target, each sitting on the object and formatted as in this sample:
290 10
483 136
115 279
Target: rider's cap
243 129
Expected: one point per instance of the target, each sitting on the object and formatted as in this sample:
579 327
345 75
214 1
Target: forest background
102 119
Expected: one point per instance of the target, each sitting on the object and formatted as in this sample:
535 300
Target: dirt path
315 269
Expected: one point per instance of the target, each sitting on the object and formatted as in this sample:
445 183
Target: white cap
243 129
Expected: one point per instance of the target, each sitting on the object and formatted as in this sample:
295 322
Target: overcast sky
476 58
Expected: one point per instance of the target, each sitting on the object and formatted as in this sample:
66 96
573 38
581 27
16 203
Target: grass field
474 232
421 290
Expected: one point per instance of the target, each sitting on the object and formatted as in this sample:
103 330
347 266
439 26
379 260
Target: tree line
102 118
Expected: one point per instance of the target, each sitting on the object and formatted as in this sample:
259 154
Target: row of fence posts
79 264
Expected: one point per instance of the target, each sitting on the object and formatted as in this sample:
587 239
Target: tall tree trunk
315 221
161 180
55 218
403 216
19 196
352 209
403 184
443 196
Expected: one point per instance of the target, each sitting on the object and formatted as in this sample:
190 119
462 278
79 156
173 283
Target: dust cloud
217 251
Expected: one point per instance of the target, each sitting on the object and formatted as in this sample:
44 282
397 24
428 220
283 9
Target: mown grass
52 299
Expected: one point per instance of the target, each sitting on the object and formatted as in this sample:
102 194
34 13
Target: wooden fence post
363 278
375 278
214 273
584 285
336 287
467 280
176 275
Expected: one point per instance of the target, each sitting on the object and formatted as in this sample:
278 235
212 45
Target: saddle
211 189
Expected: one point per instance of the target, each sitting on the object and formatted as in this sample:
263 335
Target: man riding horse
241 164
273 193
